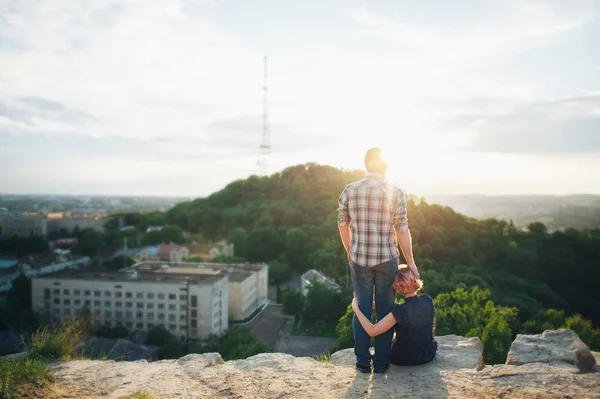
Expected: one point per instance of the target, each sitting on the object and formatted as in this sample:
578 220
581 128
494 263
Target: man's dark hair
374 161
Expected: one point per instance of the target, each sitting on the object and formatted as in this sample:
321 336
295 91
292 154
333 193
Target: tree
152 238
170 347
172 234
235 343
344 331
323 303
279 272
292 300
264 244
496 339
89 243
239 238
296 253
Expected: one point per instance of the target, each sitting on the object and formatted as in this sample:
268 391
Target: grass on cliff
24 378
58 343
30 377
137 395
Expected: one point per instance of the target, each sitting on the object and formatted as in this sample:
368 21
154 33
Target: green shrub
25 378
64 342
137 395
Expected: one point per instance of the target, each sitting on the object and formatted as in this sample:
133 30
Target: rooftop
235 275
313 275
249 267
147 277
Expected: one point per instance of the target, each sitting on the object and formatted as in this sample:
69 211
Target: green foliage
24 378
279 272
118 331
235 343
343 331
323 303
589 335
496 338
141 394
227 259
323 357
21 246
15 311
59 343
292 301
168 234
89 243
170 346
117 263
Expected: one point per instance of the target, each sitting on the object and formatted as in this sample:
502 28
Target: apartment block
247 285
190 306
23 225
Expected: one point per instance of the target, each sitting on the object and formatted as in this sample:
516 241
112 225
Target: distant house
174 253
38 265
154 228
211 251
118 350
313 275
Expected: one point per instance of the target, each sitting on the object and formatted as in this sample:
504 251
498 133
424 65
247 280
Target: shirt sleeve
399 214
397 312
343 214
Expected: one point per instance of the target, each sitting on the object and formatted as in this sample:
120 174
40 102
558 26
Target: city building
248 283
190 306
38 265
210 251
166 252
23 225
313 275
72 223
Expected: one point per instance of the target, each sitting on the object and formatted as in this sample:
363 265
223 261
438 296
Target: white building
247 285
190 306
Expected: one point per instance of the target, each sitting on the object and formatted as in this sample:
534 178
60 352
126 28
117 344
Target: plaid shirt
373 208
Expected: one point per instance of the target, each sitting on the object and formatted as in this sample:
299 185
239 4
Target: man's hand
415 272
354 304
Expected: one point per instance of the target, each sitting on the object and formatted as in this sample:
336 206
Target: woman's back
415 331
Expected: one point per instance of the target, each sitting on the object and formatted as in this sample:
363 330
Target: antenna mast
265 146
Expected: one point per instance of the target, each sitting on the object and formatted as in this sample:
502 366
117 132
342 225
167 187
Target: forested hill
289 220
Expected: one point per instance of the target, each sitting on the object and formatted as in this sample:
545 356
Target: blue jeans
364 279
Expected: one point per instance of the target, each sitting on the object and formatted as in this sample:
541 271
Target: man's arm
405 241
344 222
346 234
403 236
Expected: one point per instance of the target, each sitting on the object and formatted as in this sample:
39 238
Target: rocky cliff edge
555 364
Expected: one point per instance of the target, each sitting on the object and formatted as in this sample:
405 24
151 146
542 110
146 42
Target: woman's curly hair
404 281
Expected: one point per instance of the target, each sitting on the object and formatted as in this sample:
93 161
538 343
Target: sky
146 97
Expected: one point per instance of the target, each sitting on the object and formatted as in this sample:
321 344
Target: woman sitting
414 320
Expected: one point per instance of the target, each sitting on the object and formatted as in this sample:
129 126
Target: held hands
354 304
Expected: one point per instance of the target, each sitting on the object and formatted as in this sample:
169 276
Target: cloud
518 25
568 125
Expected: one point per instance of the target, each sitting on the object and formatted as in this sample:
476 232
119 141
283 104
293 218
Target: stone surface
276 376
552 346
453 353
203 360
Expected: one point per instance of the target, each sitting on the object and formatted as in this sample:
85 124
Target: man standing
372 222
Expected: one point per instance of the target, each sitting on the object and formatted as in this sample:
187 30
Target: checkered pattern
373 208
